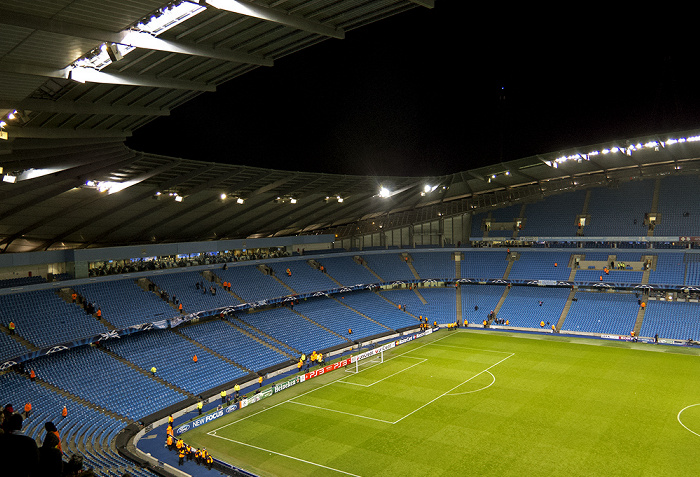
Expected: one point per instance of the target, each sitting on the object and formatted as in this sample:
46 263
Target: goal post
362 361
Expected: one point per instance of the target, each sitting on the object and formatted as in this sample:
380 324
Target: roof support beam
73 107
424 3
61 133
276 16
127 37
150 193
89 75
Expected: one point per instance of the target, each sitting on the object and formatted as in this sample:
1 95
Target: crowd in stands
99 269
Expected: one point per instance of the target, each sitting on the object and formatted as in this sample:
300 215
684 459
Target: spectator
74 467
19 453
51 427
50 457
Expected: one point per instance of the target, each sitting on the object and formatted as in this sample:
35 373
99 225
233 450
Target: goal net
365 360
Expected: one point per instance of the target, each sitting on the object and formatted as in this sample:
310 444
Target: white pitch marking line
475 349
493 381
423 360
449 391
320 387
287 456
681 422
339 412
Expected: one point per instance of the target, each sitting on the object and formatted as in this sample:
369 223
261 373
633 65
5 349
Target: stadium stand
124 303
678 320
346 271
44 319
251 342
602 312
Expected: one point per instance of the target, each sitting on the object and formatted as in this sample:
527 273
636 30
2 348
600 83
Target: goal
365 360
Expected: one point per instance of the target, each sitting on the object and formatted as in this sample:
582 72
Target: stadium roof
78 76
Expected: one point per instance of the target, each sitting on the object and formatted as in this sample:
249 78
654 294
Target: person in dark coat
50 458
19 453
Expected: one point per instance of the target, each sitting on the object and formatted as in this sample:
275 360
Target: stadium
538 315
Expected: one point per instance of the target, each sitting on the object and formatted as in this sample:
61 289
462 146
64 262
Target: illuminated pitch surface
475 403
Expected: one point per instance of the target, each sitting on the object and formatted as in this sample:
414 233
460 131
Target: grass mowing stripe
556 409
445 393
269 451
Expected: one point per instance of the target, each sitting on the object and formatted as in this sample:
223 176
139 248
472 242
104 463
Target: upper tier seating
184 287
347 272
251 284
21 281
541 265
554 216
124 303
390 266
434 264
678 206
303 278
620 211
484 264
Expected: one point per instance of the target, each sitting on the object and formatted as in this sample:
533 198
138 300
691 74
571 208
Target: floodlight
340 199
9 178
222 196
178 198
426 188
239 201
3 124
293 200
12 115
384 193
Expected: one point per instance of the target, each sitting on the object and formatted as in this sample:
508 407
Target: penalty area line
340 412
284 455
450 390
422 360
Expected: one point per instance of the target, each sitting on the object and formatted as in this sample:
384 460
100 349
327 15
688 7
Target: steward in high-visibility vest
200 405
223 396
169 442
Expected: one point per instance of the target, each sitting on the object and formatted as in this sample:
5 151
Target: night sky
432 92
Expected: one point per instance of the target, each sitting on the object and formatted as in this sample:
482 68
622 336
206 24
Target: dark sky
432 92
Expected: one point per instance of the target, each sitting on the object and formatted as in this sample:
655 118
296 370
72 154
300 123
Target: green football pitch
479 403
